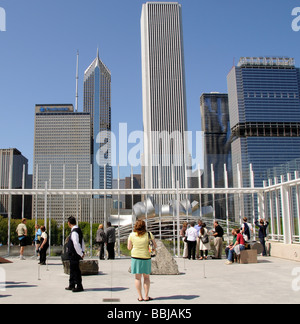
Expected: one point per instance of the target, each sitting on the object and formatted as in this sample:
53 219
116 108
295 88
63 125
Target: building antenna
76 102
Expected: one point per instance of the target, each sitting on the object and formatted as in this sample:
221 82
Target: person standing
44 246
110 241
76 249
138 244
22 236
182 235
101 239
262 233
218 240
192 235
37 238
198 227
204 242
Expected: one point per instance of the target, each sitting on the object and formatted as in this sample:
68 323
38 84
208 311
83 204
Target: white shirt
191 234
75 239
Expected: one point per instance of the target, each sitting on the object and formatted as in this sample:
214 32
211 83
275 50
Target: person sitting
233 232
237 247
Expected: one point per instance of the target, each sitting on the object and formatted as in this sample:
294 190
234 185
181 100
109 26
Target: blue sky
38 54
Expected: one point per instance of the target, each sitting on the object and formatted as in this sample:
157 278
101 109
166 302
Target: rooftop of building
271 61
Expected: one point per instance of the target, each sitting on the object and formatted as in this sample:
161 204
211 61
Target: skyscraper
217 146
12 160
164 95
62 155
264 103
97 102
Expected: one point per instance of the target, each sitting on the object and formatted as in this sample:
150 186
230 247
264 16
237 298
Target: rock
163 263
87 267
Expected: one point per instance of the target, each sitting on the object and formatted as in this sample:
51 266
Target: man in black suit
75 253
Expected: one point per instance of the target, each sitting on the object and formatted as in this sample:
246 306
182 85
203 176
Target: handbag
205 239
151 246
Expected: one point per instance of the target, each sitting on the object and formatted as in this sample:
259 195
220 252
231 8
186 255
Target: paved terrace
271 280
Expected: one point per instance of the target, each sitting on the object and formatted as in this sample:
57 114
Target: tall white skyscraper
164 95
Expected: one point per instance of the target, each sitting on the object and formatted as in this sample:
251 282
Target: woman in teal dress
138 244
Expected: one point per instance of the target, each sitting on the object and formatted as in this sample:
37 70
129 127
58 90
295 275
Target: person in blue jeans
262 233
237 247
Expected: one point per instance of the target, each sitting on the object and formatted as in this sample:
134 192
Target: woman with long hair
138 244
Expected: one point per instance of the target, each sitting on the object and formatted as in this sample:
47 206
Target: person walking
44 244
262 233
110 241
22 236
218 240
192 235
101 239
76 248
138 244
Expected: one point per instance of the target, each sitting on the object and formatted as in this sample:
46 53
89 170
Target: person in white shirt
192 235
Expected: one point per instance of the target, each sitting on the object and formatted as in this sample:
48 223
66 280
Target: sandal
149 299
140 300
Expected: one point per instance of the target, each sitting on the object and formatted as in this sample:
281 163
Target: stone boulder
87 267
163 263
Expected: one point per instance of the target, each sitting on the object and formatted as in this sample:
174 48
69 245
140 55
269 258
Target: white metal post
9 205
226 198
45 203
178 221
64 185
285 209
23 187
119 225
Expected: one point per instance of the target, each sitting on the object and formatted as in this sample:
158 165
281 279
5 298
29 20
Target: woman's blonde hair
100 226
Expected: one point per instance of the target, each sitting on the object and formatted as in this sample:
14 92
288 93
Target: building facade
97 102
14 175
164 96
62 155
217 148
264 103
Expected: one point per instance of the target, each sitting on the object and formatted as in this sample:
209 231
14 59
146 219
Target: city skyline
46 52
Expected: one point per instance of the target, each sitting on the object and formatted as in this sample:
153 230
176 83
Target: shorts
23 241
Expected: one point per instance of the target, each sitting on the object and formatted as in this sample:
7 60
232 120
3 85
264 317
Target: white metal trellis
278 201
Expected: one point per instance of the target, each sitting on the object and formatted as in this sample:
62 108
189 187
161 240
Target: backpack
247 230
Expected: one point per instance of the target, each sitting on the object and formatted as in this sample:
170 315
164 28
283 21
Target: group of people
242 235
41 240
196 240
196 244
107 237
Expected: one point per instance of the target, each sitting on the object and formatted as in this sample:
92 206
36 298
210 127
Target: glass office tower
217 147
97 102
264 104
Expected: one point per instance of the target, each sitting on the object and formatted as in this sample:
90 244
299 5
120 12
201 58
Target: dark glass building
97 102
217 147
264 106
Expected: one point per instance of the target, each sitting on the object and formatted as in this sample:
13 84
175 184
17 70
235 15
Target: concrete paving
270 281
